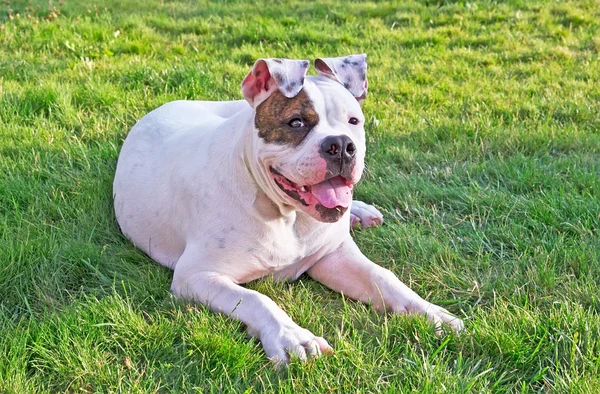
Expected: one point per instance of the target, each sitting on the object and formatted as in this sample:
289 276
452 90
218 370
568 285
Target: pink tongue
333 192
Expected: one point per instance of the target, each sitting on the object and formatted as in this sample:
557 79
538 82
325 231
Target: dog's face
313 146
311 143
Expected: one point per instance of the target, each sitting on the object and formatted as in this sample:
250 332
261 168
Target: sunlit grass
484 155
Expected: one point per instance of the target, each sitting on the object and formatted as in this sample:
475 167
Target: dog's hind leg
364 215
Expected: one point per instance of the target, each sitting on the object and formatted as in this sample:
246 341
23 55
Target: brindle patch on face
330 215
273 115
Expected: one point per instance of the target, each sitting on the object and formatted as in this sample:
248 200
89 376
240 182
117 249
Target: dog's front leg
348 271
278 333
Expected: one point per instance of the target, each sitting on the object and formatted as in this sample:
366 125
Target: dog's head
309 130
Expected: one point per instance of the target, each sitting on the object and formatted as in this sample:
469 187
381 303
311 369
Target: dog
228 192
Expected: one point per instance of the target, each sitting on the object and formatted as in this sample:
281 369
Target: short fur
198 187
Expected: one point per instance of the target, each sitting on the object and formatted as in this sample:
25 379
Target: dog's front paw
364 215
437 315
440 317
284 341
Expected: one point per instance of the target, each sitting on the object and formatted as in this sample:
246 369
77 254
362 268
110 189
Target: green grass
484 155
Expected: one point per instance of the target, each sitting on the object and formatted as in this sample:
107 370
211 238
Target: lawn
484 156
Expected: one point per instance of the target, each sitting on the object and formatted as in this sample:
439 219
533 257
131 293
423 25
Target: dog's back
147 164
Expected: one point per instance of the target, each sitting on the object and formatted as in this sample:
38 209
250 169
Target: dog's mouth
333 193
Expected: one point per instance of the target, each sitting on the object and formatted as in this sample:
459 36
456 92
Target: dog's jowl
228 192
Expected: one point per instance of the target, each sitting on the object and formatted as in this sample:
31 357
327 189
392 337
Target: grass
484 155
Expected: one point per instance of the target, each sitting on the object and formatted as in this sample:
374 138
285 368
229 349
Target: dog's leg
278 333
364 215
348 271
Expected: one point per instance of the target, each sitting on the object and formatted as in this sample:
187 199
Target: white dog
228 192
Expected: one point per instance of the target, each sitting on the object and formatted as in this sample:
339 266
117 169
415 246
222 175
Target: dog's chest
283 246
283 252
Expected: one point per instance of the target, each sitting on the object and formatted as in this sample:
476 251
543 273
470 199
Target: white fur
364 215
191 190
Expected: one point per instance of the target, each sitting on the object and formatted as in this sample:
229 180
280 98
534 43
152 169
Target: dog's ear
350 71
270 74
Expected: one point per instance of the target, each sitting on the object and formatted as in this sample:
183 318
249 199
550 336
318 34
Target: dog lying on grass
228 192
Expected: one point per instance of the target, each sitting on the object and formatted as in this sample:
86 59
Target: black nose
338 147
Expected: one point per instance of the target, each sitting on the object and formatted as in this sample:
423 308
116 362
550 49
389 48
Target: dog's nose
338 147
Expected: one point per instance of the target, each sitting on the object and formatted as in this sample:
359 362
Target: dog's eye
295 123
353 121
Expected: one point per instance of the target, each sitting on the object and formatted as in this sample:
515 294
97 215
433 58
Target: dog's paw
284 342
364 215
439 316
